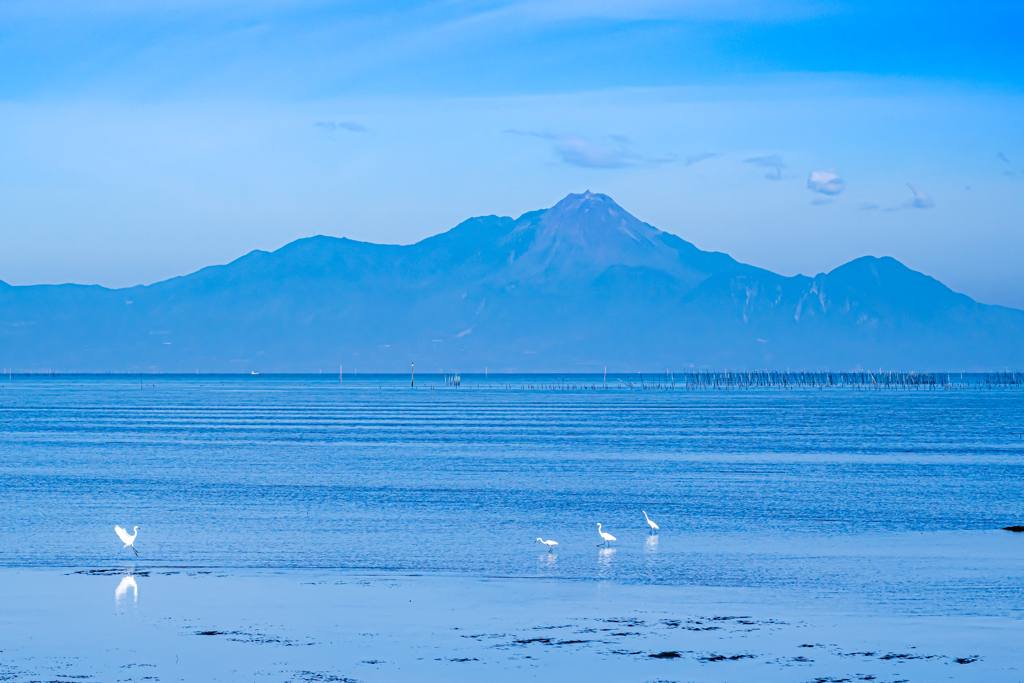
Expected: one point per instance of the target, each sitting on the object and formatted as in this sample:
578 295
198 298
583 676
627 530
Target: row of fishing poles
704 379
854 380
893 381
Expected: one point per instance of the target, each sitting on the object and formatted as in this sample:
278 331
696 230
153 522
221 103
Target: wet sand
138 623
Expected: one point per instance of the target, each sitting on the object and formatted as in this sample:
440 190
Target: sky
144 139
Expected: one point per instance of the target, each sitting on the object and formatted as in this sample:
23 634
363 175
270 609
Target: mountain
574 288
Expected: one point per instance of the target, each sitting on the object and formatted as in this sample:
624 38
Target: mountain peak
594 221
583 235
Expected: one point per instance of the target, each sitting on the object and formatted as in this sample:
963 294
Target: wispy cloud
1006 160
921 199
350 126
643 10
825 182
697 158
574 150
771 161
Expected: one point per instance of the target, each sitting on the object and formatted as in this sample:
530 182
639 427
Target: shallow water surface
884 497
304 625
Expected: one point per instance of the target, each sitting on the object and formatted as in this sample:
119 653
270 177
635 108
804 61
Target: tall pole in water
341 374
412 376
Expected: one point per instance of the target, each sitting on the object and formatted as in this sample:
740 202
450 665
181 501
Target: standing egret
550 544
654 527
129 541
605 535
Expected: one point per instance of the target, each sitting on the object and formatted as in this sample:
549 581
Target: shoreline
315 625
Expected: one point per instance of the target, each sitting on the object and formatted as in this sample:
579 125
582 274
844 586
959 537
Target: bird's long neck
647 518
136 533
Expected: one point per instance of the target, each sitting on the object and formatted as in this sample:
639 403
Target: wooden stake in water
412 376
341 374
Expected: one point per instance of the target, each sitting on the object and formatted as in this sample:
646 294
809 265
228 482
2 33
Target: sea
901 494
377 529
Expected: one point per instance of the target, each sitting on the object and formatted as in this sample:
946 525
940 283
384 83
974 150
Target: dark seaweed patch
529 641
319 676
893 655
110 572
258 638
547 641
724 658
666 655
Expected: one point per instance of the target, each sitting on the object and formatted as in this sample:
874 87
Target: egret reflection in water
652 543
127 581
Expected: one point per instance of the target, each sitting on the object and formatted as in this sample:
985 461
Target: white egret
654 527
129 541
550 544
604 534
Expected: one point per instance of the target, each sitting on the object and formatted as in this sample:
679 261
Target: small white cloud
463 333
770 161
921 200
697 158
825 182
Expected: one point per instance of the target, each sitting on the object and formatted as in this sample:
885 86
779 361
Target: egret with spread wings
129 541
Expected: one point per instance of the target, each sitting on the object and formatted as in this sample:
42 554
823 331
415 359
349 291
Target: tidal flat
296 528
165 624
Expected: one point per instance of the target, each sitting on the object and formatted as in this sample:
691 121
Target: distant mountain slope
577 287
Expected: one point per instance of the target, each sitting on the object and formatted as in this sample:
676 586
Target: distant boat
255 373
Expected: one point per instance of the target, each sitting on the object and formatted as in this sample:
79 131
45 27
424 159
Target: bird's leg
136 551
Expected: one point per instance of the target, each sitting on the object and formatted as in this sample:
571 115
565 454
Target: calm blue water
901 493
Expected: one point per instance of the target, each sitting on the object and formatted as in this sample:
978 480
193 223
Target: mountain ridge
581 285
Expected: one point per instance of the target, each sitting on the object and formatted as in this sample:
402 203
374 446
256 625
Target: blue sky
142 140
